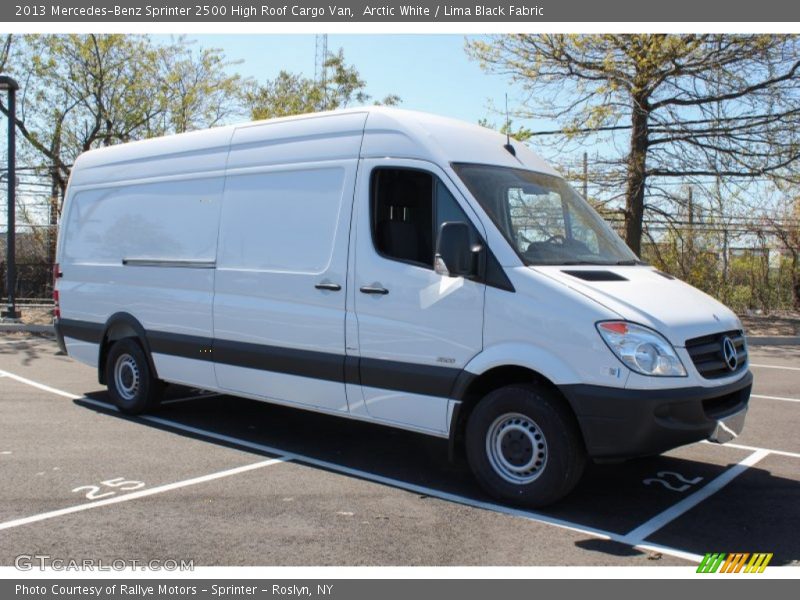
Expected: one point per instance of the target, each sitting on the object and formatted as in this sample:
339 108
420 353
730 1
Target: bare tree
694 105
785 226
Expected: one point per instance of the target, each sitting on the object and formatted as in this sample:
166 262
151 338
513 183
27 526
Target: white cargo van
399 268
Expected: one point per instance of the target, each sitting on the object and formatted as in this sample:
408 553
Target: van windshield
543 218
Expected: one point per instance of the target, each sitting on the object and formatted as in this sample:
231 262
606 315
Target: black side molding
413 378
85 331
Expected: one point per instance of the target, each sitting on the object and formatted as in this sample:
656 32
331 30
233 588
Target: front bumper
623 423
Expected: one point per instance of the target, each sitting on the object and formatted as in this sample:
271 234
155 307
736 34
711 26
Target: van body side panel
82 350
284 233
121 251
306 139
549 329
195 154
281 236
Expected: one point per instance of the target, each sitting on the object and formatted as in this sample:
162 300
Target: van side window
408 207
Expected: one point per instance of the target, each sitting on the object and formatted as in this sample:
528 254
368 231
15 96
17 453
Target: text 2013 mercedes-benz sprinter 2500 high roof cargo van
399 268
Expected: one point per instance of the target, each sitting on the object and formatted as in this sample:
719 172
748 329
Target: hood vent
594 275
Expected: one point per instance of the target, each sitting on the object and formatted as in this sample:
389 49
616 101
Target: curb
754 340
26 328
773 340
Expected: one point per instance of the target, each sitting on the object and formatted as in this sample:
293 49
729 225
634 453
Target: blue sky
429 72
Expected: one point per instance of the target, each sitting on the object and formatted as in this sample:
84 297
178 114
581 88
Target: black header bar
417 11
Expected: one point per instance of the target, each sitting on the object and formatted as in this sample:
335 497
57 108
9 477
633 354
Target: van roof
388 132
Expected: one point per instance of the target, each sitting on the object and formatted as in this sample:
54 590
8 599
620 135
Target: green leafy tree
519 133
84 91
197 88
293 94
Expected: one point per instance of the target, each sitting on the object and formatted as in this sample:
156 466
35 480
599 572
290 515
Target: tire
524 447
131 384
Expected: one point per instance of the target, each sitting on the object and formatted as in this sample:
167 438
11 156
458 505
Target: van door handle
374 289
327 285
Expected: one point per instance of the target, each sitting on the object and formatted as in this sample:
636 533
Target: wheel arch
119 326
470 389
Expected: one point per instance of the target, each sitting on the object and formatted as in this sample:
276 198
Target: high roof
414 134
388 132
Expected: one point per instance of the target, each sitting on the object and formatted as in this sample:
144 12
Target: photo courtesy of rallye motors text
65 589
144 591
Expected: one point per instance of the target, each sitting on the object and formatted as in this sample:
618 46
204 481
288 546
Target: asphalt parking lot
226 481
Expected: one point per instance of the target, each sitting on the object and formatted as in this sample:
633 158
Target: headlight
641 349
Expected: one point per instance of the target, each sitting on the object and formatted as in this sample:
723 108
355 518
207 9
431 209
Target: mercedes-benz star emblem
729 353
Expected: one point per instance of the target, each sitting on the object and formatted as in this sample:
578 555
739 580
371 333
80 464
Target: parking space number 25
95 492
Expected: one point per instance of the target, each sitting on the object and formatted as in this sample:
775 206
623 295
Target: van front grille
709 355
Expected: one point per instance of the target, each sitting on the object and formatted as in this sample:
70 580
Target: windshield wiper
590 263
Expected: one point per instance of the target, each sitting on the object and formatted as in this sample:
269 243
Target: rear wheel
523 446
131 383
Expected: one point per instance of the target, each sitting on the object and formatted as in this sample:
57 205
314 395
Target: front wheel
523 446
131 383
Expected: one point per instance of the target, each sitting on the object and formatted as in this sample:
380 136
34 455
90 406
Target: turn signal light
615 327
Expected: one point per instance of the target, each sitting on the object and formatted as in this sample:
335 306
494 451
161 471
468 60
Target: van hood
644 295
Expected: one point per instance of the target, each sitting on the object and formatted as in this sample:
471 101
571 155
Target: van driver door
416 329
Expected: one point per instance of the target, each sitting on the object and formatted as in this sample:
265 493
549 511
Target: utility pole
321 67
11 86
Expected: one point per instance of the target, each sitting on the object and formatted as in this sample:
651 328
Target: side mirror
454 255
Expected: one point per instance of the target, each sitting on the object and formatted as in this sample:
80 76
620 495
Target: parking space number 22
661 478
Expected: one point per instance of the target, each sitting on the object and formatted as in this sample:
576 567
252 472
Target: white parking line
775 367
649 527
410 487
781 398
754 448
634 538
140 494
41 386
47 388
397 483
